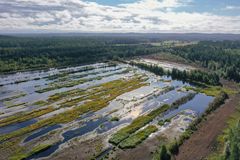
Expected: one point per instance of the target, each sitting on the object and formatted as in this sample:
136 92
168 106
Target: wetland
117 105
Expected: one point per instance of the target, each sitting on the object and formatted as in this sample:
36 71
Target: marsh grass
40 103
136 138
16 105
113 88
13 97
71 83
35 150
138 123
25 116
211 90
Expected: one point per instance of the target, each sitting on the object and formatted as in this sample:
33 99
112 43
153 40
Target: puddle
16 126
198 104
41 132
68 135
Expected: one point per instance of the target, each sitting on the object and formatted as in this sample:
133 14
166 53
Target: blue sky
172 16
213 6
112 2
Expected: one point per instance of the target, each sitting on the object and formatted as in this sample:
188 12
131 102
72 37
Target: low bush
138 137
173 147
35 150
164 155
114 119
136 125
219 100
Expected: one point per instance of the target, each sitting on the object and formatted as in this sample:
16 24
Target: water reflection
16 126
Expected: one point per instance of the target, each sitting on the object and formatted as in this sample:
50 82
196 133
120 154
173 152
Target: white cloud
154 4
232 8
84 16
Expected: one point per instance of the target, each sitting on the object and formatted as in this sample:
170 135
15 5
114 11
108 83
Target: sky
120 16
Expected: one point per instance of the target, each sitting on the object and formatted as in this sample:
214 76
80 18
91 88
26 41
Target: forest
222 57
29 53
185 76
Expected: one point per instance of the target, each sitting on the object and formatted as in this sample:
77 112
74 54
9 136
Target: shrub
219 100
138 137
136 125
114 119
173 147
164 155
161 123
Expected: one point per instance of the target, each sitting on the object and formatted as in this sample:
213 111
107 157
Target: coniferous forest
27 53
222 57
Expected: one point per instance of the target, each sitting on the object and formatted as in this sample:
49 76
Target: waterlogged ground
59 113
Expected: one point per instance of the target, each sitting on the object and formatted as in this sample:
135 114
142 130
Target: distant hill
157 36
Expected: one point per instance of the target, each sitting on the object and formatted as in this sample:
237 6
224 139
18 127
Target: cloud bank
85 16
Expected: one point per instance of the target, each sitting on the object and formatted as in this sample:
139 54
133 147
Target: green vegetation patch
70 93
40 103
61 85
14 97
138 137
25 116
217 102
186 76
223 60
128 130
211 90
227 146
162 153
35 150
16 105
161 122
114 119
114 89
136 125
70 83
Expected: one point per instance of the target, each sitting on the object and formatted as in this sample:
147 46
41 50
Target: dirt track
202 141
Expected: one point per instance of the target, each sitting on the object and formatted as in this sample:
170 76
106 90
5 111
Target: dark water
166 98
68 135
85 116
198 104
16 126
1 104
41 132
109 125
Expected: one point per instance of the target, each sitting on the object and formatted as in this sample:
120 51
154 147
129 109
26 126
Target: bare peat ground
171 59
76 150
201 143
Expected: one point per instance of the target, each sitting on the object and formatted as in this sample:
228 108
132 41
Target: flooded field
43 113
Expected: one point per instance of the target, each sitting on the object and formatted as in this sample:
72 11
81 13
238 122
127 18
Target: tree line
22 53
185 76
222 57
